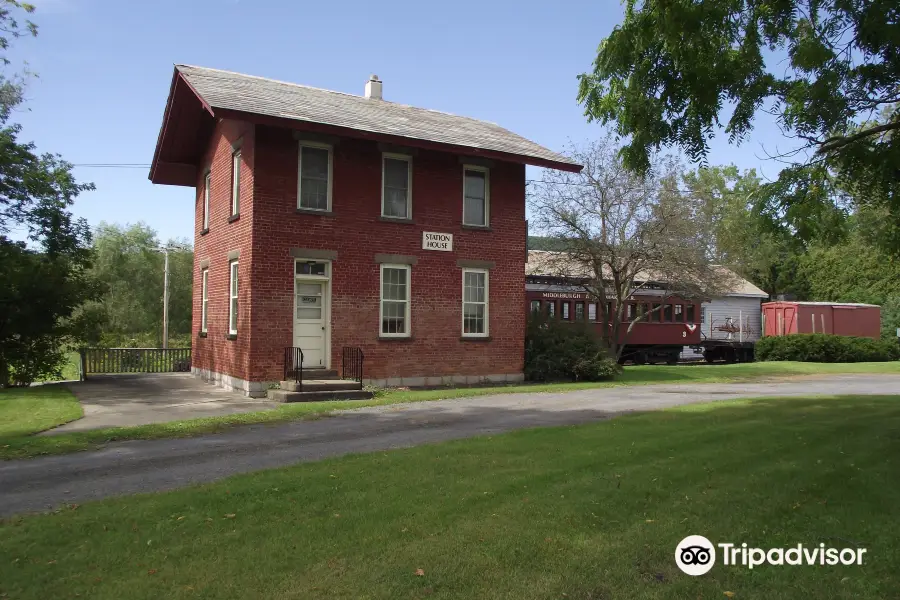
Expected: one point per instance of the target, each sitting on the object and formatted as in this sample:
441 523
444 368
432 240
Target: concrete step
319 385
306 396
320 374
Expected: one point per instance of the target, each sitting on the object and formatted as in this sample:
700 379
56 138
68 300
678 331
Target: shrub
821 347
556 350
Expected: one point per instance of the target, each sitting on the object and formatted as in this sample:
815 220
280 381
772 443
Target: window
476 196
579 311
475 303
314 185
395 300
592 312
656 315
679 313
630 312
233 298
609 312
667 313
535 306
551 309
396 191
703 315
204 298
207 183
236 183
642 312
690 313
565 310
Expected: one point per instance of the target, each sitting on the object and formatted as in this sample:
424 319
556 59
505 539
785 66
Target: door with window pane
309 321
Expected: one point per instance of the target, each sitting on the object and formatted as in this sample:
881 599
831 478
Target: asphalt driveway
147 466
143 398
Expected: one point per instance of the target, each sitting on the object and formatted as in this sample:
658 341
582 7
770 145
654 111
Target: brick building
326 221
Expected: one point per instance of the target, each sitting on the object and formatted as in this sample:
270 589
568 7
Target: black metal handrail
352 364
134 360
293 365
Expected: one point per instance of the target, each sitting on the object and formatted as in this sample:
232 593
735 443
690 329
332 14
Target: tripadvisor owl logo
695 555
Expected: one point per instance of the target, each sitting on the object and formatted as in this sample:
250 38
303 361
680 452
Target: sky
104 68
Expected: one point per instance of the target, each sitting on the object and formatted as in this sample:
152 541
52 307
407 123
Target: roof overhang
188 121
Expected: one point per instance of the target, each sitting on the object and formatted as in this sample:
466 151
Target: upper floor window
396 191
475 303
314 185
207 184
395 300
236 183
476 196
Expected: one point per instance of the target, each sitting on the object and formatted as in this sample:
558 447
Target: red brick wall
269 227
215 352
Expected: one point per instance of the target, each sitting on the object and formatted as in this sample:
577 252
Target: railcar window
592 312
565 310
656 316
690 313
579 311
642 311
551 309
535 306
667 313
679 313
609 312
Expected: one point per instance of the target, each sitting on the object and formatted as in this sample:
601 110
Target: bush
821 347
556 351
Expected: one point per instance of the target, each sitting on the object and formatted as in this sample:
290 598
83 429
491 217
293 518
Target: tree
133 314
749 242
43 274
828 70
622 234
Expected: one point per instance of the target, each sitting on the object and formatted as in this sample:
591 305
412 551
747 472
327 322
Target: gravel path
147 466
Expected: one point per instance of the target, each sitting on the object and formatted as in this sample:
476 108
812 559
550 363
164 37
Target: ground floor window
395 294
475 303
233 298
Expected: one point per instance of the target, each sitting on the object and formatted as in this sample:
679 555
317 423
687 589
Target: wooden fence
134 360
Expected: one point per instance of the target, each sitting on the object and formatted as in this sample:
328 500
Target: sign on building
437 241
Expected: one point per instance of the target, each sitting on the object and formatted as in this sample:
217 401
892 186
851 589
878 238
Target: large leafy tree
130 314
44 250
828 70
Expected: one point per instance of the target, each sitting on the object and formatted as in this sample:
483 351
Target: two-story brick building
327 221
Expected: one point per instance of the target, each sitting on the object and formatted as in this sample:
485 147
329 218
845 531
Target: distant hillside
536 242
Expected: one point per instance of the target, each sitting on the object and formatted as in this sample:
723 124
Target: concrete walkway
142 398
147 466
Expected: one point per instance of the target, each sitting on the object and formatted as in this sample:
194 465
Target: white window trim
204 300
207 182
409 172
407 316
232 296
487 302
236 162
304 144
487 195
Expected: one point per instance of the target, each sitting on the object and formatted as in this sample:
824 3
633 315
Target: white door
310 321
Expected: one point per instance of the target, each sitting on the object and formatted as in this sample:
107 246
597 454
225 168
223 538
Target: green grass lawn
588 512
21 445
24 411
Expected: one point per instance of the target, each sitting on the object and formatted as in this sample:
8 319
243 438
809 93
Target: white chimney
373 88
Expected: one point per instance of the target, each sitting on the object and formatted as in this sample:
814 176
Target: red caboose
667 324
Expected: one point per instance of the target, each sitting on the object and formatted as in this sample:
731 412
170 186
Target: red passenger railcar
668 324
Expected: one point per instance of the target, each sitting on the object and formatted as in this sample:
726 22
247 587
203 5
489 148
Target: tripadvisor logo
696 555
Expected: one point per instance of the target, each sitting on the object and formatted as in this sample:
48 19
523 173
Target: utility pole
165 339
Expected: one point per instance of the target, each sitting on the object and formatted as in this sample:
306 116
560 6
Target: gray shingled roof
247 93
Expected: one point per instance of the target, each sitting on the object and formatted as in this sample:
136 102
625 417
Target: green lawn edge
27 446
588 511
